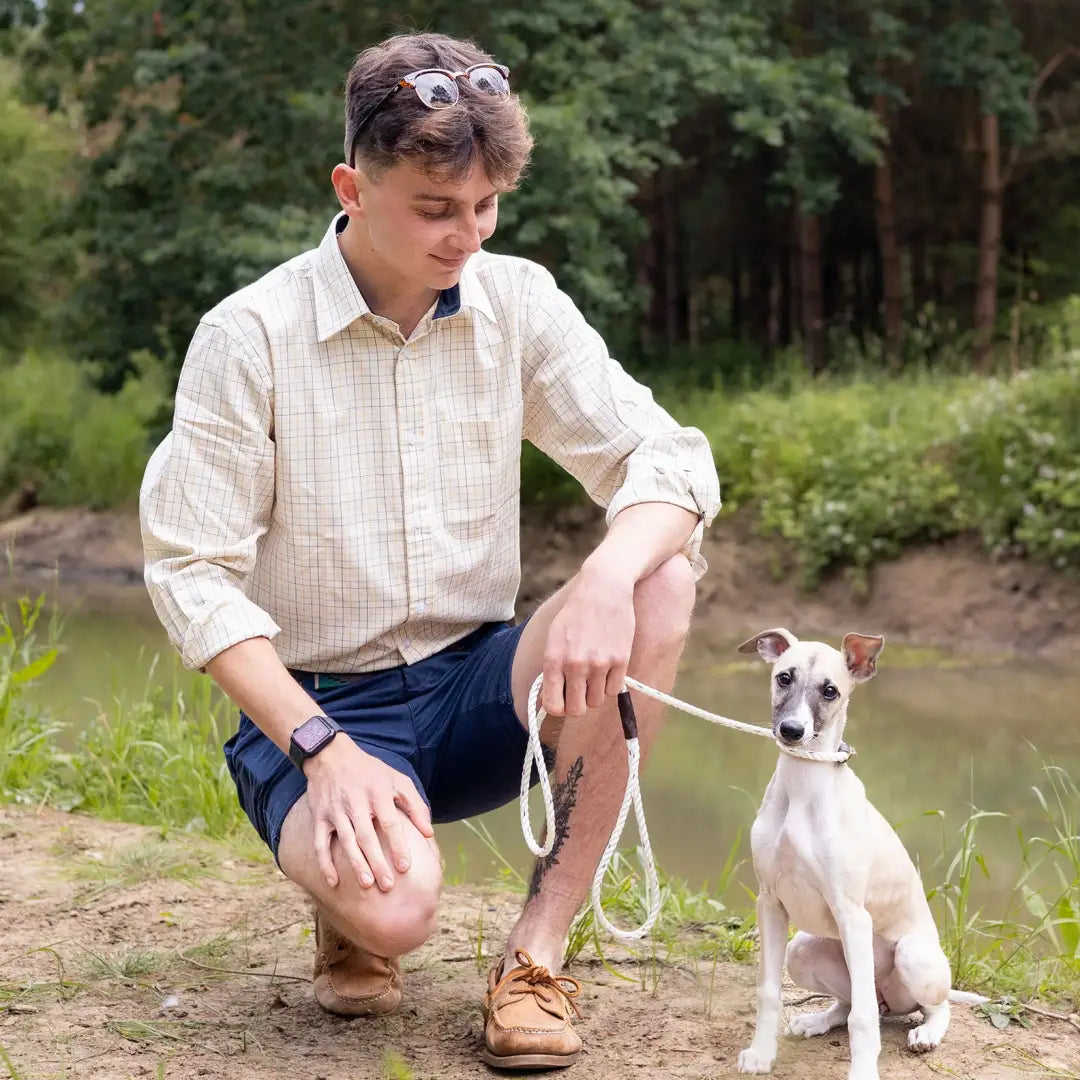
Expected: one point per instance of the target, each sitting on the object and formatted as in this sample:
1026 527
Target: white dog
827 861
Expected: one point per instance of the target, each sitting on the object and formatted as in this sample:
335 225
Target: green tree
35 154
211 133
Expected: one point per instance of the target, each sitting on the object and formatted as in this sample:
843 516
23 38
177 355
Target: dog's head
811 683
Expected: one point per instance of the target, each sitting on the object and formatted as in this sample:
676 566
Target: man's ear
770 645
860 655
348 186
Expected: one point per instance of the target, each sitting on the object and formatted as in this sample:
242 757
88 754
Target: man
331 531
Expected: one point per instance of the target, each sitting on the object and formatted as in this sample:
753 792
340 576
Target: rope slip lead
534 755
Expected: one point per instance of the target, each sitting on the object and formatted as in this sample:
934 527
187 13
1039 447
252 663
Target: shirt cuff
654 489
222 626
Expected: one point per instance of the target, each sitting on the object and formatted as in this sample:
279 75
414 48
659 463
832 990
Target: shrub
71 443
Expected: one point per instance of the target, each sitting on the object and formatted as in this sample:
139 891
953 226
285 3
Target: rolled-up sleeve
603 427
207 496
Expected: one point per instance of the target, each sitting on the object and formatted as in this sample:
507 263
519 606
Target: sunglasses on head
437 89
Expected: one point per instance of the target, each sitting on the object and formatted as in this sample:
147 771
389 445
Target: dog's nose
791 731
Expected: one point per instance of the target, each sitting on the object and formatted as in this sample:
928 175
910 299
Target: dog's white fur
827 861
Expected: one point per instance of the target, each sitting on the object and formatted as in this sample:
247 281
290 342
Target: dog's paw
809 1024
754 1061
924 1037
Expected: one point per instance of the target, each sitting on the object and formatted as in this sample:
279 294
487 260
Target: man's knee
663 604
397 922
401 920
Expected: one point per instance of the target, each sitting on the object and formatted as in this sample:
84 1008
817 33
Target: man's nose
468 237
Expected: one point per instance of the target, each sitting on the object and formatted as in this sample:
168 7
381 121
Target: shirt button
421 607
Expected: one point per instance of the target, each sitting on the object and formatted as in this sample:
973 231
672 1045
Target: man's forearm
254 677
642 537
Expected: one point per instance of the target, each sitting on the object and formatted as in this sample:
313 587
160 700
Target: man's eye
434 215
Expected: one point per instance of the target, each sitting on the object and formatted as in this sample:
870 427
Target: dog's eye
829 692
784 678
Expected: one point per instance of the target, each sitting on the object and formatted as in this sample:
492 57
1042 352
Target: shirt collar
471 289
339 303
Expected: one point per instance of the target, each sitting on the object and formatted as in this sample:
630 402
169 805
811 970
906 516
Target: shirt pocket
478 468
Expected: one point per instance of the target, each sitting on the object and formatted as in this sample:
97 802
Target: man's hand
588 645
363 801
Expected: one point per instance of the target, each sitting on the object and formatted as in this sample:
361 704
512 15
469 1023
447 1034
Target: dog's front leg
772 921
864 1031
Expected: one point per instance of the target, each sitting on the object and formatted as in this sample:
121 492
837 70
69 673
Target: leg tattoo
565 798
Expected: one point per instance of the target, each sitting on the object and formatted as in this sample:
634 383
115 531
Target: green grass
13 1073
1033 949
395 1067
155 761
161 859
126 964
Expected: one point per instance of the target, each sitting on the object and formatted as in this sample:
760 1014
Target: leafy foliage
849 472
70 444
35 154
210 135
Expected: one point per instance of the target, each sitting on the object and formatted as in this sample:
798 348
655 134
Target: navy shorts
447 723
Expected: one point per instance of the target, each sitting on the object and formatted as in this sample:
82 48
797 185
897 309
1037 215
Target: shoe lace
540 982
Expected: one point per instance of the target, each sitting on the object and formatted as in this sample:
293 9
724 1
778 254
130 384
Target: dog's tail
962 997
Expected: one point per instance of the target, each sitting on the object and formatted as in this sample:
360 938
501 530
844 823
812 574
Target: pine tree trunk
812 308
776 301
920 282
885 220
672 322
736 316
989 240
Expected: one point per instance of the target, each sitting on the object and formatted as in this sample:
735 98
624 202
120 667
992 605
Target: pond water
934 733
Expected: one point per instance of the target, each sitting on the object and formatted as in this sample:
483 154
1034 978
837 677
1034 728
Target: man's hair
445 143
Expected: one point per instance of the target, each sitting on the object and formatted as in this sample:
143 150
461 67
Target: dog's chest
788 866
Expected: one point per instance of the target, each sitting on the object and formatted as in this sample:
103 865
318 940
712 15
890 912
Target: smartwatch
311 737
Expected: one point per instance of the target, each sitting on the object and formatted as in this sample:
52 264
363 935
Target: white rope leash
750 729
535 756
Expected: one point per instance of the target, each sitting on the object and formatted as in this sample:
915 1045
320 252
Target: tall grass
1033 949
28 760
155 761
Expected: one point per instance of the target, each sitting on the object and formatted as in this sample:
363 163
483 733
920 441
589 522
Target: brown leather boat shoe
527 1017
351 981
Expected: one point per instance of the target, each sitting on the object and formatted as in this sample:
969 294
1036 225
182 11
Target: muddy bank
123 955
950 595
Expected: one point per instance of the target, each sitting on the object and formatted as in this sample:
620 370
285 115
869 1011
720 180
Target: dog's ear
860 655
770 645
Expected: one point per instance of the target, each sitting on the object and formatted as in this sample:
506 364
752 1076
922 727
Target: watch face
311 734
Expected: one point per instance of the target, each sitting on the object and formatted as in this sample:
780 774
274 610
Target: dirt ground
123 955
950 595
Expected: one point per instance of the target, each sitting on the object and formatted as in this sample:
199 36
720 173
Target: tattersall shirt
354 495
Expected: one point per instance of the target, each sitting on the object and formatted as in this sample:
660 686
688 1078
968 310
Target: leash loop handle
632 797
534 755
